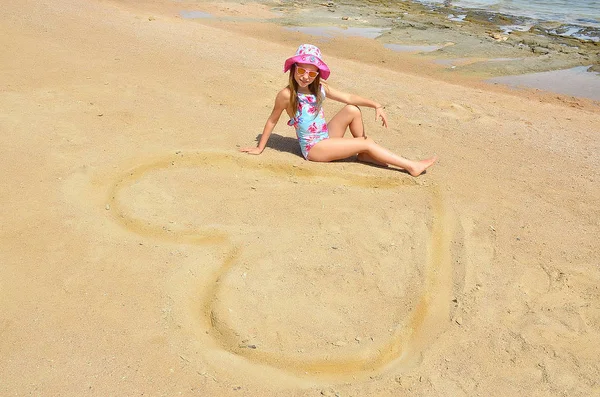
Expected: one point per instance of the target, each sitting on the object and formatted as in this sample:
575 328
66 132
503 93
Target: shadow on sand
290 145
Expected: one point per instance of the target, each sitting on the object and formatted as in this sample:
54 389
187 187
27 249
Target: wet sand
143 254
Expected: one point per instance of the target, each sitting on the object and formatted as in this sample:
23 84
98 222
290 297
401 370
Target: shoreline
468 52
585 29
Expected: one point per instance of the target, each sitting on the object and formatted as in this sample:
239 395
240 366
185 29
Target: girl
321 141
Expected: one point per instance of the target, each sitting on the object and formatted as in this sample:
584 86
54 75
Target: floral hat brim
308 53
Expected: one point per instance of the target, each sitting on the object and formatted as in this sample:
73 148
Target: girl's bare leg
338 148
350 117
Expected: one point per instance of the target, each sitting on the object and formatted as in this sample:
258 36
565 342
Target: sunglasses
302 71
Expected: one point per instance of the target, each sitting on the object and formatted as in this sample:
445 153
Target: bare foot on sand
420 166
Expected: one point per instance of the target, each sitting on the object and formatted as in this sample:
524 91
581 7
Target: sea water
575 81
578 12
580 17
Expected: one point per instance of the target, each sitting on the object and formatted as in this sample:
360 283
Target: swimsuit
309 122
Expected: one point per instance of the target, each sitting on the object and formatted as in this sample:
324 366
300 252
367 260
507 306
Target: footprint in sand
458 112
304 286
448 111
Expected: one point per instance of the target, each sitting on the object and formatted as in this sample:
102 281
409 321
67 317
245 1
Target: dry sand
141 254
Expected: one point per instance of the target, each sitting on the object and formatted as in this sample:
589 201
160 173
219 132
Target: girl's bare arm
282 101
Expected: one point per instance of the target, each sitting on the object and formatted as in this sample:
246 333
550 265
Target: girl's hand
379 112
251 150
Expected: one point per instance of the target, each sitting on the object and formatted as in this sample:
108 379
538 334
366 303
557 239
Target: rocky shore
476 37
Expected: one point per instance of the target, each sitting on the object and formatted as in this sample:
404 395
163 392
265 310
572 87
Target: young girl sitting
302 99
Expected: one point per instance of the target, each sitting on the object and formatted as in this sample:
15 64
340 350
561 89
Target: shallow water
194 14
457 17
577 12
412 48
332 31
454 62
575 81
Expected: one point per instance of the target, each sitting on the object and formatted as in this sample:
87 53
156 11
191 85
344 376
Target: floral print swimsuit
309 122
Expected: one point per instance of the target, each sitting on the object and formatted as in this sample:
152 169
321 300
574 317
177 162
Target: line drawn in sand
427 319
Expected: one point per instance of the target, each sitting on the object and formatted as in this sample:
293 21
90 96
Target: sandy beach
142 254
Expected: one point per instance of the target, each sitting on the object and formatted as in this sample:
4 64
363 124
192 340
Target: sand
142 254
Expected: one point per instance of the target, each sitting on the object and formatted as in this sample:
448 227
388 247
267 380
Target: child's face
305 79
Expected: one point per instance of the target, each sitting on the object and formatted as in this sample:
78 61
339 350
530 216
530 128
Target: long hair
314 88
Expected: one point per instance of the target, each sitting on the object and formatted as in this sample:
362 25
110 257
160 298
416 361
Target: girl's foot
420 166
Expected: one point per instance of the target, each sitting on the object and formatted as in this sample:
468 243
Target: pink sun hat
308 53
